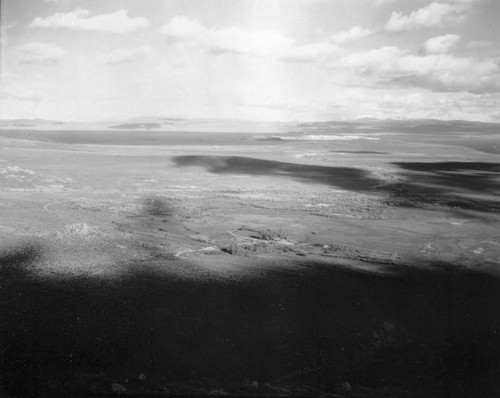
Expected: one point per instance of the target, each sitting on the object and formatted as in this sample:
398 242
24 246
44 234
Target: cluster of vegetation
266 246
264 233
158 206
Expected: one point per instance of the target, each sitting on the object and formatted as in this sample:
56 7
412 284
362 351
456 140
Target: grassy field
355 260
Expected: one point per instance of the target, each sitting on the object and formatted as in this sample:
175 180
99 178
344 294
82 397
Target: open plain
349 259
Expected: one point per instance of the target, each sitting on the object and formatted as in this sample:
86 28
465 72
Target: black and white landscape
315 211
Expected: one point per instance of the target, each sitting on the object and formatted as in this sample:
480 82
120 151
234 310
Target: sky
283 60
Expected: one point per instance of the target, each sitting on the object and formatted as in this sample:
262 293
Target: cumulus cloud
437 72
226 40
258 43
39 53
376 60
182 28
123 55
80 19
433 15
352 34
440 44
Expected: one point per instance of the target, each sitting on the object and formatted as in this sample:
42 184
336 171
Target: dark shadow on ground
362 152
430 184
467 176
349 178
305 327
448 184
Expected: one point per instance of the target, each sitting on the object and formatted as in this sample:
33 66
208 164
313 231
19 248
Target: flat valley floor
357 264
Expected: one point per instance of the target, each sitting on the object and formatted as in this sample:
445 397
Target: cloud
80 19
232 40
226 40
440 44
379 3
309 52
479 44
38 53
433 15
58 2
182 28
123 55
259 42
377 60
464 3
436 72
21 96
352 34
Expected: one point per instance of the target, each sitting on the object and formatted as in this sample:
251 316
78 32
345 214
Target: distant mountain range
177 124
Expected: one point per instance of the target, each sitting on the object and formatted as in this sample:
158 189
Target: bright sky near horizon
289 60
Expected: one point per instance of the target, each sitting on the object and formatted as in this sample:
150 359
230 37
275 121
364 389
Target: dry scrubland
249 264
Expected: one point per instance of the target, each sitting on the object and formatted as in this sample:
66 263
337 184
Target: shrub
158 206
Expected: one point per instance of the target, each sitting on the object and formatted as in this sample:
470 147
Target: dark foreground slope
282 328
